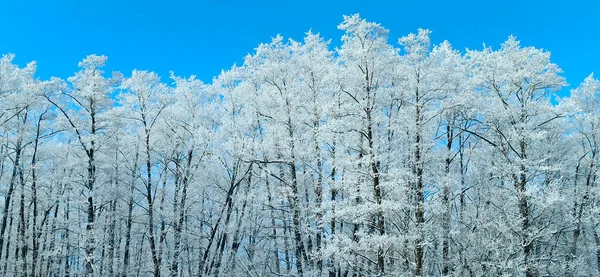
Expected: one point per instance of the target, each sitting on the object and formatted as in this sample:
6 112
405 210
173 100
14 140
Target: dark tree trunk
7 200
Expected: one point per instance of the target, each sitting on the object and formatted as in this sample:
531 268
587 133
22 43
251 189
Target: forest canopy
370 159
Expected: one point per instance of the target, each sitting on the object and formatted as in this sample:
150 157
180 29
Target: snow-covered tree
370 159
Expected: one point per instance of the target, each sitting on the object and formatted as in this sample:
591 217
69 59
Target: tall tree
89 94
143 104
514 85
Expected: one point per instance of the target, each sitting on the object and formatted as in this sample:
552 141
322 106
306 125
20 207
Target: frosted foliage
410 158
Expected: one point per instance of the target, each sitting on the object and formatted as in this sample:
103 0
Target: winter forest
370 159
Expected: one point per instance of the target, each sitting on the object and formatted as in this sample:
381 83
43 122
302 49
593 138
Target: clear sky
203 37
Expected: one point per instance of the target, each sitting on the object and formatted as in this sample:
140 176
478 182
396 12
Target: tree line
370 159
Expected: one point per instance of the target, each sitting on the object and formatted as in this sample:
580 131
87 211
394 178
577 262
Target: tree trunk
295 197
379 218
22 226
319 185
150 201
180 221
274 229
419 193
126 255
34 228
7 200
90 242
446 202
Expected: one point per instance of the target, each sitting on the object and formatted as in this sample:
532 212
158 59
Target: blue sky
203 37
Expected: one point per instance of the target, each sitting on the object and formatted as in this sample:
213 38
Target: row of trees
370 160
